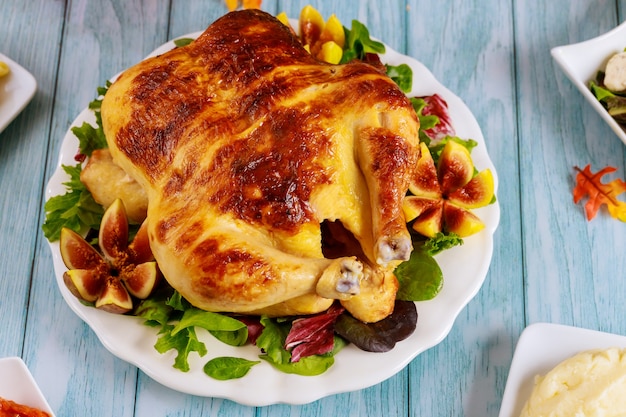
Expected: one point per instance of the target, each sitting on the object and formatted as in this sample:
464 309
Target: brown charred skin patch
219 264
271 174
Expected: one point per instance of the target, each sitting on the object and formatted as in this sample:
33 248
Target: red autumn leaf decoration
590 185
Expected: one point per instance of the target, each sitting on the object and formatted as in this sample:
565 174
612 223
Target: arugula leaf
226 367
184 342
76 209
402 75
358 43
226 329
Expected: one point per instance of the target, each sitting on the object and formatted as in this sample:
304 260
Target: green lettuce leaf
76 209
184 342
272 341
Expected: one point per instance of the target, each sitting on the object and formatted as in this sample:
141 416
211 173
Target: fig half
114 298
443 195
424 182
77 253
476 193
461 221
455 167
122 271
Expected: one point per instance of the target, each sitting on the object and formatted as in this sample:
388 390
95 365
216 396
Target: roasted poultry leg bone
245 144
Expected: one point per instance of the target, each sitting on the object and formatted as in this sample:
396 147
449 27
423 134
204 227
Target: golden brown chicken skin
245 145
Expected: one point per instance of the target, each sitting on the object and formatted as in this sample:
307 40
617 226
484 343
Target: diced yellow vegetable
4 69
331 52
282 17
252 4
334 30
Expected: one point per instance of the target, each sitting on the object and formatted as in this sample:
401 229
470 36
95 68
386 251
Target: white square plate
541 347
18 385
581 62
17 88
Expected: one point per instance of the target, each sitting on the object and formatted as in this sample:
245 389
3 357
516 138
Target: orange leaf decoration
598 193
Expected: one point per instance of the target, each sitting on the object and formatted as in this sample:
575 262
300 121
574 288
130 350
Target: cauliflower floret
615 74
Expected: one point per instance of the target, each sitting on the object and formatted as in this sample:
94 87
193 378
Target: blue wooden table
549 263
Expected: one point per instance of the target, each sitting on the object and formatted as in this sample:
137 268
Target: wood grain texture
549 263
22 160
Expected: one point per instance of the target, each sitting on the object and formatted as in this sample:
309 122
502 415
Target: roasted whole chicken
274 181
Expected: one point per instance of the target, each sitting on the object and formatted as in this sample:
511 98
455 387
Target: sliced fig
76 252
141 280
455 167
113 236
476 193
430 222
139 249
85 284
414 206
114 298
460 221
424 182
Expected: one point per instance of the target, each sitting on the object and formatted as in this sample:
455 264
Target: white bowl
18 385
581 62
17 88
541 347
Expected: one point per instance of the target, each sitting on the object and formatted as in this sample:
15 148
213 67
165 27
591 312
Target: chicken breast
246 146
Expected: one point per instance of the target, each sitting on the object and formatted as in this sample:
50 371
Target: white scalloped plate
18 385
581 61
464 269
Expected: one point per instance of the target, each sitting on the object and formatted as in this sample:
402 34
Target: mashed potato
591 383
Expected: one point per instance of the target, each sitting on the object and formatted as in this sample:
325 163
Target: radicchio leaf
313 335
437 106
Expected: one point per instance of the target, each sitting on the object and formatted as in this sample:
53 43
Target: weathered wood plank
74 369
